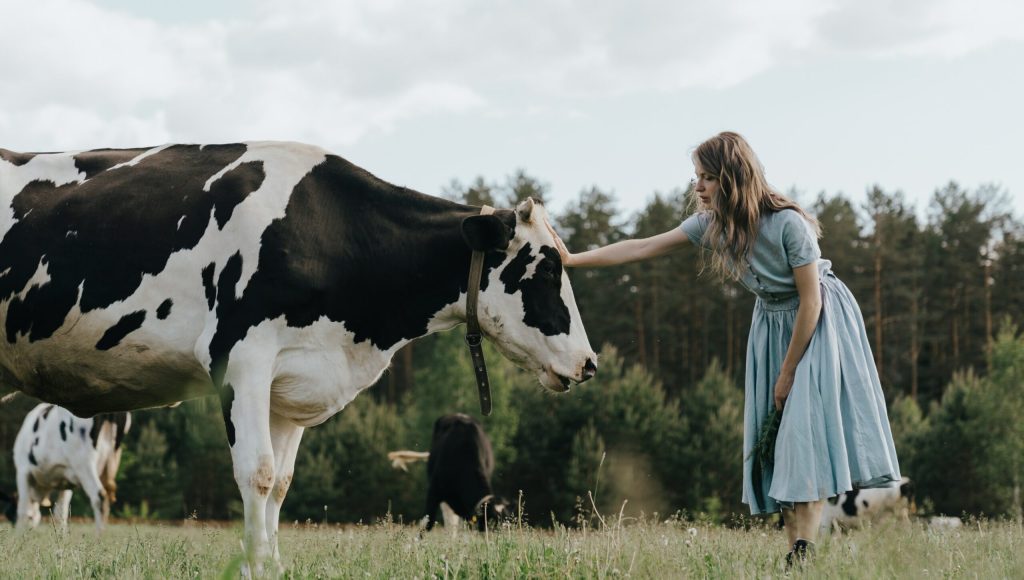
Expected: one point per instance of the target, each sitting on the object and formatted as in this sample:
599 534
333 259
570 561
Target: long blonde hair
743 197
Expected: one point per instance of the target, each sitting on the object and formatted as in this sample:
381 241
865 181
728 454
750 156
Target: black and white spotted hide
275 276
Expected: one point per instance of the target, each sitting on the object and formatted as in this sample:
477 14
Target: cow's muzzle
560 383
589 370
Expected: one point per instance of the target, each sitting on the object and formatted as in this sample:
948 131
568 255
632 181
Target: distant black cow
459 468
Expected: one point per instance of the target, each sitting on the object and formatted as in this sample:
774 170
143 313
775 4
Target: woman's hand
783 385
563 252
623 252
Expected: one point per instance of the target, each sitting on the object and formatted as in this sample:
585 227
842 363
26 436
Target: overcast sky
834 95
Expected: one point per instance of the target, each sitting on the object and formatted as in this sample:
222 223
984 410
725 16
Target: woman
807 354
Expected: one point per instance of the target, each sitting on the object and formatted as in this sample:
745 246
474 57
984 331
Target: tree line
660 427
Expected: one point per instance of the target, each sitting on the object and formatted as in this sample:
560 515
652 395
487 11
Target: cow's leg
451 519
245 402
433 504
285 437
108 475
97 495
61 509
28 504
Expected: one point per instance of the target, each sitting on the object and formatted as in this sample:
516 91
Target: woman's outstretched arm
807 314
625 251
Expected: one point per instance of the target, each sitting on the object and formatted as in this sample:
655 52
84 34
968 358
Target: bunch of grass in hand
764 447
763 452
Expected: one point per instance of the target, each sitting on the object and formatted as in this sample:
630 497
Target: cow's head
493 511
907 494
10 506
527 307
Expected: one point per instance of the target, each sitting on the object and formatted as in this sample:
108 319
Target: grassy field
669 550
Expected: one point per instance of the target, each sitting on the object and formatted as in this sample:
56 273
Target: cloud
85 76
938 28
333 72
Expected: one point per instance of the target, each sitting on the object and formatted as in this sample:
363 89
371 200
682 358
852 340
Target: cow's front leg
28 504
285 437
61 509
97 495
433 504
245 402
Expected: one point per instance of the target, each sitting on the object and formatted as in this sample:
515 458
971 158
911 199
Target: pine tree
150 476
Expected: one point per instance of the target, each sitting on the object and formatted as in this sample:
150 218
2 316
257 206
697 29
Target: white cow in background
56 451
858 506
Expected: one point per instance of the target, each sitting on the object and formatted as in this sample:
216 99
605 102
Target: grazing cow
945 523
459 467
56 451
856 507
275 275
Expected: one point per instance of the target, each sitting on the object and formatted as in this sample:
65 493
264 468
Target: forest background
659 430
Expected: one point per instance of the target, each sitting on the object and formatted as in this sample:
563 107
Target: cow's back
50 444
110 263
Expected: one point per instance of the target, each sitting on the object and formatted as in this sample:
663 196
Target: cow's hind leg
285 437
245 401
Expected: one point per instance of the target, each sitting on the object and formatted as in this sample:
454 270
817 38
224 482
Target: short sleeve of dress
695 226
800 241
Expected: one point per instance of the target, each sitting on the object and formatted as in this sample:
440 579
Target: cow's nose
589 370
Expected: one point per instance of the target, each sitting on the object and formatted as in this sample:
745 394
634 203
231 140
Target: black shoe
800 552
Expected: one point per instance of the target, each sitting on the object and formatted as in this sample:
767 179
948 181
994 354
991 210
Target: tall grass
674 549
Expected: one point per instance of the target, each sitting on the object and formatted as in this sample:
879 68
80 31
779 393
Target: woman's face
706 186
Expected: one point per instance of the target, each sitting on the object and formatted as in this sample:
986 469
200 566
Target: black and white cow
276 275
459 467
56 451
859 506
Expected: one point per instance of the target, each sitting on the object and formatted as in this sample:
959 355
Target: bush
658 454
967 456
342 473
152 489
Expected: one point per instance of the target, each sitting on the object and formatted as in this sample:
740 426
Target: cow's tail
402 459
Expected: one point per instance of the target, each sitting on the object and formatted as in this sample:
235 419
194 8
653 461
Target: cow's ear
486 232
525 209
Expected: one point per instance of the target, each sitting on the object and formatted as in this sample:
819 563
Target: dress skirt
835 431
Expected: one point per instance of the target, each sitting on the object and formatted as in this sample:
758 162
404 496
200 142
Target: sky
834 95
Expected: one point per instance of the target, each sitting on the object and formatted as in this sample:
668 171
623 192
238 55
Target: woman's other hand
783 385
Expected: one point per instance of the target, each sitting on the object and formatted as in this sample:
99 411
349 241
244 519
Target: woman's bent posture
807 354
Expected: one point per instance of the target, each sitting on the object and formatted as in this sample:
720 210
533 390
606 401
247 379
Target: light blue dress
835 432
